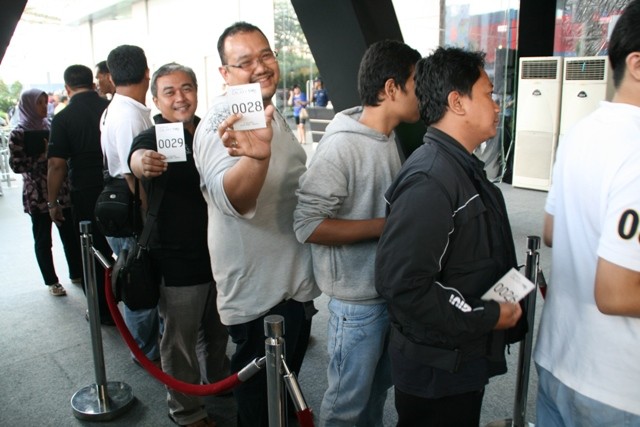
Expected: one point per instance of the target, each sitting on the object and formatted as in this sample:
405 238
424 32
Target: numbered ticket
170 141
247 99
512 287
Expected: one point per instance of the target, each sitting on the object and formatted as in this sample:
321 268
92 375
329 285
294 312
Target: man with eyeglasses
249 179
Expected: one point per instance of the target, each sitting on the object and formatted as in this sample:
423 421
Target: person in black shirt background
74 150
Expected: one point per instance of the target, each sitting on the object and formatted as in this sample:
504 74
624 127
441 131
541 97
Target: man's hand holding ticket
512 287
247 100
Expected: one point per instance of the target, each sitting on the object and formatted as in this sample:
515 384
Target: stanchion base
506 423
88 405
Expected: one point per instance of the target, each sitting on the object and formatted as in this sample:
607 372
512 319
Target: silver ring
234 144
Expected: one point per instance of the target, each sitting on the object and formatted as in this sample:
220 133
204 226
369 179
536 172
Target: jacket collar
473 165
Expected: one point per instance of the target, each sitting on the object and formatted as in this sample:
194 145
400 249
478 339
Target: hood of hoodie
347 121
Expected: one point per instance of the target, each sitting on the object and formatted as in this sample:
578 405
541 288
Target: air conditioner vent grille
588 69
540 69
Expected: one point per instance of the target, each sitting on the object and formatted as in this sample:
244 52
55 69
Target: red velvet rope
305 417
219 387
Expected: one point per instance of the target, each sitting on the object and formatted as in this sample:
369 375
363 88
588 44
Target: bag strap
152 212
137 203
105 162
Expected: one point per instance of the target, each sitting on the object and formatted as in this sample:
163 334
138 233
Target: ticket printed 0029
170 141
247 100
512 287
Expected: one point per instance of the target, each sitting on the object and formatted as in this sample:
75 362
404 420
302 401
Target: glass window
490 26
583 26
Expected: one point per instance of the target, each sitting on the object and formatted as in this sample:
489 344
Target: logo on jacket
459 303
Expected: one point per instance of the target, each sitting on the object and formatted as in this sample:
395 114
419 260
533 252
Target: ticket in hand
247 100
512 287
170 141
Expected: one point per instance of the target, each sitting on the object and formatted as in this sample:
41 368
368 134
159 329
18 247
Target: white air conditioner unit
587 81
537 121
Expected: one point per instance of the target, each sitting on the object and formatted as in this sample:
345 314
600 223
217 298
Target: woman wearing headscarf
32 164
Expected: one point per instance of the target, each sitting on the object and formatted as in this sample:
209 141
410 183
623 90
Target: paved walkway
46 355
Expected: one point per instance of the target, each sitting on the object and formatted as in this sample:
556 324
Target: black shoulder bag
135 280
117 210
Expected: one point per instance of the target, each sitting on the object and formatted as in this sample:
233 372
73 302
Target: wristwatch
52 205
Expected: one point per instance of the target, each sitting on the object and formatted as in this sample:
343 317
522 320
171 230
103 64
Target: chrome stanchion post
89 271
274 349
102 400
531 269
524 357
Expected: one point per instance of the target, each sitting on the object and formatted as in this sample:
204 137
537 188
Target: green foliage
288 32
294 56
9 95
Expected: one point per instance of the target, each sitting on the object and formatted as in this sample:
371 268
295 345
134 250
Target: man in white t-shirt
125 117
588 348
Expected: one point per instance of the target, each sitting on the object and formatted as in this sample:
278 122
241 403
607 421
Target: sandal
57 290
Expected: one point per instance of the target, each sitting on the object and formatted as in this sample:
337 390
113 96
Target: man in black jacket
446 241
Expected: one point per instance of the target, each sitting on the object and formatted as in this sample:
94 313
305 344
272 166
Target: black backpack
117 210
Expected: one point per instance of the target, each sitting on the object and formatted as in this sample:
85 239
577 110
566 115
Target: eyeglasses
265 58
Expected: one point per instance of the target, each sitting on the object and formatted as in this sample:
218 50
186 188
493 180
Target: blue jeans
559 405
359 372
144 325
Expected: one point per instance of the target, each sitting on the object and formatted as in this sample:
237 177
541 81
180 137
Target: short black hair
78 77
127 65
446 70
625 39
170 68
384 60
238 27
102 67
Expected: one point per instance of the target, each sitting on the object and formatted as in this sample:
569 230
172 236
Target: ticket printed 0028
247 100
512 287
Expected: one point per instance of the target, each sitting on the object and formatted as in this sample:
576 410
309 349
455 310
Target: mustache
266 73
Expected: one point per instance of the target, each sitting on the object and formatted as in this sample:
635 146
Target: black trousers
249 338
461 410
84 203
41 228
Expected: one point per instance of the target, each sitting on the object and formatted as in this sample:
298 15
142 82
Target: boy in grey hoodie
341 212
